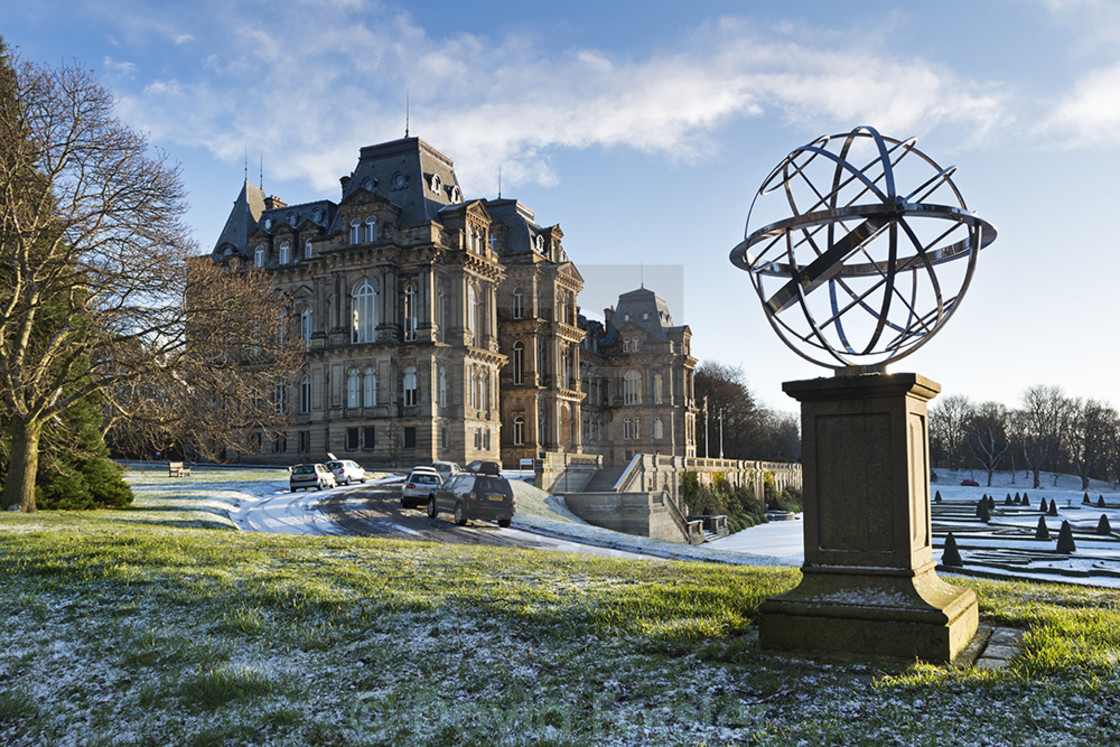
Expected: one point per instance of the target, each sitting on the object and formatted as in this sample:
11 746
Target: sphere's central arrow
825 267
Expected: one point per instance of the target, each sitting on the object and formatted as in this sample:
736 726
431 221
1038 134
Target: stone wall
565 473
645 514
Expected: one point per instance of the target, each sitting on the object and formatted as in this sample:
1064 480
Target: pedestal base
871 612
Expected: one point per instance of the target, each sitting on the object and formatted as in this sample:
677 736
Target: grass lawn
144 632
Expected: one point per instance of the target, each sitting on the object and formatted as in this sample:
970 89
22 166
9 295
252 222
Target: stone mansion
440 327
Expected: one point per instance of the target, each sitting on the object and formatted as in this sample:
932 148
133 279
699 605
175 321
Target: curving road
374 510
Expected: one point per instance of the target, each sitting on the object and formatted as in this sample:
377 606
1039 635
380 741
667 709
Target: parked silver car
311 476
346 471
420 485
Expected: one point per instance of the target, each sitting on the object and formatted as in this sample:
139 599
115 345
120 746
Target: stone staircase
603 480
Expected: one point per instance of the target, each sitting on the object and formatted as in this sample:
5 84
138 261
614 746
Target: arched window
632 388
518 303
409 312
369 387
365 311
353 389
305 322
541 360
371 228
409 383
475 403
484 383
657 396
305 394
258 256
355 231
518 362
307 250
442 387
657 432
519 431
285 253
472 314
565 367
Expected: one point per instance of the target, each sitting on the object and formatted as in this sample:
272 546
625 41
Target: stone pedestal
869 586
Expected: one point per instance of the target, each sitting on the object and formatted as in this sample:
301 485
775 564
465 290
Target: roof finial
246 164
262 172
499 182
406 111
643 268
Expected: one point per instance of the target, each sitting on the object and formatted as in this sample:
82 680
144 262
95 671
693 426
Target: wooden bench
178 469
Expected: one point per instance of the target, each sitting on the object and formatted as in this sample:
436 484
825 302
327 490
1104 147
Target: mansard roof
521 225
644 308
410 174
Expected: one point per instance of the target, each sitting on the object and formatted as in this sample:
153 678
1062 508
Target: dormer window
540 243
400 180
292 219
456 195
268 224
434 183
317 215
258 256
368 184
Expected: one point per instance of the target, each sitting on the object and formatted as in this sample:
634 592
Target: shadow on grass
200 523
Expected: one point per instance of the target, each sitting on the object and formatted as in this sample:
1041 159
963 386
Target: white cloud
1090 114
311 88
118 67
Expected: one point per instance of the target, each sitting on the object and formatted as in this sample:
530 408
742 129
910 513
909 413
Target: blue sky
644 131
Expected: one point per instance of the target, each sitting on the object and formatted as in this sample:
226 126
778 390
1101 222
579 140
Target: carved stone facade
442 328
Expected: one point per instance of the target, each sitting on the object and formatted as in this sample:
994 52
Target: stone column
869 586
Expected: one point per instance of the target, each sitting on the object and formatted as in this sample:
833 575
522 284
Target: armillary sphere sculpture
872 220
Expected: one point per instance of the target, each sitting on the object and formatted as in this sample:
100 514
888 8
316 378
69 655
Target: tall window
476 402
285 253
630 428
540 360
410 387
518 362
305 322
441 313
518 303
353 389
566 366
472 314
369 387
365 311
409 312
305 396
657 429
442 386
519 431
657 389
258 256
371 228
307 250
355 231
632 388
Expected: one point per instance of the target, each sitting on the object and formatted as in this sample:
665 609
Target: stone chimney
608 314
273 202
345 182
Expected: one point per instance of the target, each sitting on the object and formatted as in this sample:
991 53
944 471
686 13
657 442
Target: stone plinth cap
862 386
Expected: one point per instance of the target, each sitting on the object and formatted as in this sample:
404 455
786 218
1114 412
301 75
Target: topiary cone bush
937 497
983 512
1053 511
1100 501
991 502
1085 501
1042 506
951 555
1103 526
1007 500
1042 532
1065 539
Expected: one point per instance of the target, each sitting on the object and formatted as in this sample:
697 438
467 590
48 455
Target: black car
468 495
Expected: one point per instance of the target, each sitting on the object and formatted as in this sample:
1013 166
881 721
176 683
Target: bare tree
1040 424
97 264
1092 426
987 436
948 429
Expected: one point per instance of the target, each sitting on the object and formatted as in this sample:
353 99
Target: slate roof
644 308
